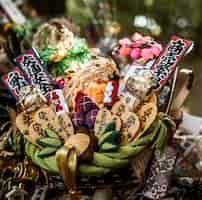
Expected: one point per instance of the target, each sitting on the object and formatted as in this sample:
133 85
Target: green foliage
77 55
46 54
25 30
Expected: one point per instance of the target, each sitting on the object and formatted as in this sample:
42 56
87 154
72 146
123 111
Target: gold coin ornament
54 125
130 125
102 119
80 141
35 132
47 118
150 99
153 99
44 115
62 124
23 121
66 125
119 108
147 114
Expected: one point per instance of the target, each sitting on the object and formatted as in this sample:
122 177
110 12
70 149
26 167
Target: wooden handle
67 163
182 84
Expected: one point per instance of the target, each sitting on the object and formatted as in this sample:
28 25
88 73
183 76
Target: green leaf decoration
77 55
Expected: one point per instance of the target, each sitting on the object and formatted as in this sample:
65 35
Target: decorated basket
81 114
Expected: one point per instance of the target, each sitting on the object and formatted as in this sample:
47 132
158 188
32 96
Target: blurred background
117 18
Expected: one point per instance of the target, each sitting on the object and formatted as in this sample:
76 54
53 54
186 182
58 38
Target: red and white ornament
111 92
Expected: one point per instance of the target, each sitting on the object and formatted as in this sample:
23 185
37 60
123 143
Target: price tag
166 63
15 81
33 69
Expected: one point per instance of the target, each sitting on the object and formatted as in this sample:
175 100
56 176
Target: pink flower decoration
137 36
147 39
136 45
124 51
125 42
139 39
139 47
156 50
147 54
135 53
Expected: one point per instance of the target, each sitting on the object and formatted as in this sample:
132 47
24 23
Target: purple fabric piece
90 118
85 104
77 119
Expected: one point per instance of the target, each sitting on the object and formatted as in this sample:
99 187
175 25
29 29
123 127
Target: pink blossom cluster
138 48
